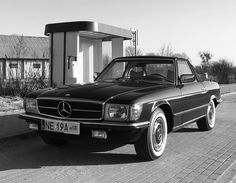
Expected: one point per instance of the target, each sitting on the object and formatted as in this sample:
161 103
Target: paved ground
11 125
190 156
227 88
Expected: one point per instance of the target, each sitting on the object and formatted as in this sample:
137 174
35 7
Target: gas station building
76 49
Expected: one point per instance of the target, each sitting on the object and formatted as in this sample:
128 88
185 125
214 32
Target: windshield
141 70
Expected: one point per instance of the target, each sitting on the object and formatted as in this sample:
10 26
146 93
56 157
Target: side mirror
187 78
203 77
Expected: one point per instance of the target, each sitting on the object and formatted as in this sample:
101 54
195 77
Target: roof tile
30 47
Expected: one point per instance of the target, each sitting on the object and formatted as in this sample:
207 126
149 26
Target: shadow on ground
31 153
182 130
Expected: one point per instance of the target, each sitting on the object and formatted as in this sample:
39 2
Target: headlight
31 105
116 112
135 111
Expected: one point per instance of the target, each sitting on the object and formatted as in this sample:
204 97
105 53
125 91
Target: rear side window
183 68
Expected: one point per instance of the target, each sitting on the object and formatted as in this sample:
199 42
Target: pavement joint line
233 179
226 174
230 93
228 153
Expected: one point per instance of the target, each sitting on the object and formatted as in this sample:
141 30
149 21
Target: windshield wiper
121 79
152 81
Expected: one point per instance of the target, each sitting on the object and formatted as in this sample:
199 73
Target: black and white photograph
108 91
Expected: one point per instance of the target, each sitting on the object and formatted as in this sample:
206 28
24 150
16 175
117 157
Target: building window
11 65
36 66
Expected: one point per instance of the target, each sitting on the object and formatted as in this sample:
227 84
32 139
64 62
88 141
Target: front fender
159 103
150 107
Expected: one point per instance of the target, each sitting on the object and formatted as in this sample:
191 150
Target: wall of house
1 70
36 69
23 69
13 69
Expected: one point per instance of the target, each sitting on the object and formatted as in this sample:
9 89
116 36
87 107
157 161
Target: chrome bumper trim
114 124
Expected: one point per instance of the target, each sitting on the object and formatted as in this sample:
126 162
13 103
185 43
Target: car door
193 94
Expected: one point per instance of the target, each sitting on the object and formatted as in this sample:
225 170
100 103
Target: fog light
33 126
99 134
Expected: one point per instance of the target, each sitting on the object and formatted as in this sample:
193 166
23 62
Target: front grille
80 109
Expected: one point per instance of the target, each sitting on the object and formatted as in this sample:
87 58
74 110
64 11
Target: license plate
61 127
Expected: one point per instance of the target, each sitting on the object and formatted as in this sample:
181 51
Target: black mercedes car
136 100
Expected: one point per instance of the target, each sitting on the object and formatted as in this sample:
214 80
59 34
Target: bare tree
222 70
151 54
166 50
206 56
20 48
34 54
106 59
46 53
181 55
130 51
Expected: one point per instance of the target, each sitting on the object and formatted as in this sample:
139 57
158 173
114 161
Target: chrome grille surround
48 107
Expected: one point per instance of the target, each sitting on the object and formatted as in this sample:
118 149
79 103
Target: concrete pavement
190 156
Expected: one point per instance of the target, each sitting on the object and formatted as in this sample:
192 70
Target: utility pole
135 40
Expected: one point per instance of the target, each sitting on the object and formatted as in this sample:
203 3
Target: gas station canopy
76 49
90 29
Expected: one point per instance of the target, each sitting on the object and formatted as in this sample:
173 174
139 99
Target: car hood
100 91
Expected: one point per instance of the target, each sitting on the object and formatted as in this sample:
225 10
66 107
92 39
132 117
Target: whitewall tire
208 122
152 143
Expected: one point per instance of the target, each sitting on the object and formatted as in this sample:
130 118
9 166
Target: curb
226 94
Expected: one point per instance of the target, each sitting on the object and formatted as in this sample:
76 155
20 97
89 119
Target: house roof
19 46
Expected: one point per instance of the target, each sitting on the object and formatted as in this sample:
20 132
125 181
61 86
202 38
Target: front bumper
117 132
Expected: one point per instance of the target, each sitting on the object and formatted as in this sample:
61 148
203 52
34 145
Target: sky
189 26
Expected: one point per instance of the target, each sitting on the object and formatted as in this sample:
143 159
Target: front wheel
151 144
208 122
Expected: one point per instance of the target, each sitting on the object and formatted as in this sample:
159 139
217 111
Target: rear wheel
151 144
52 140
208 122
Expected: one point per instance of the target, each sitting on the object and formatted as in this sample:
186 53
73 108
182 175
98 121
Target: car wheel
151 144
208 122
52 140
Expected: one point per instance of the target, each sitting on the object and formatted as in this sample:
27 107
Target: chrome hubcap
211 114
158 134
